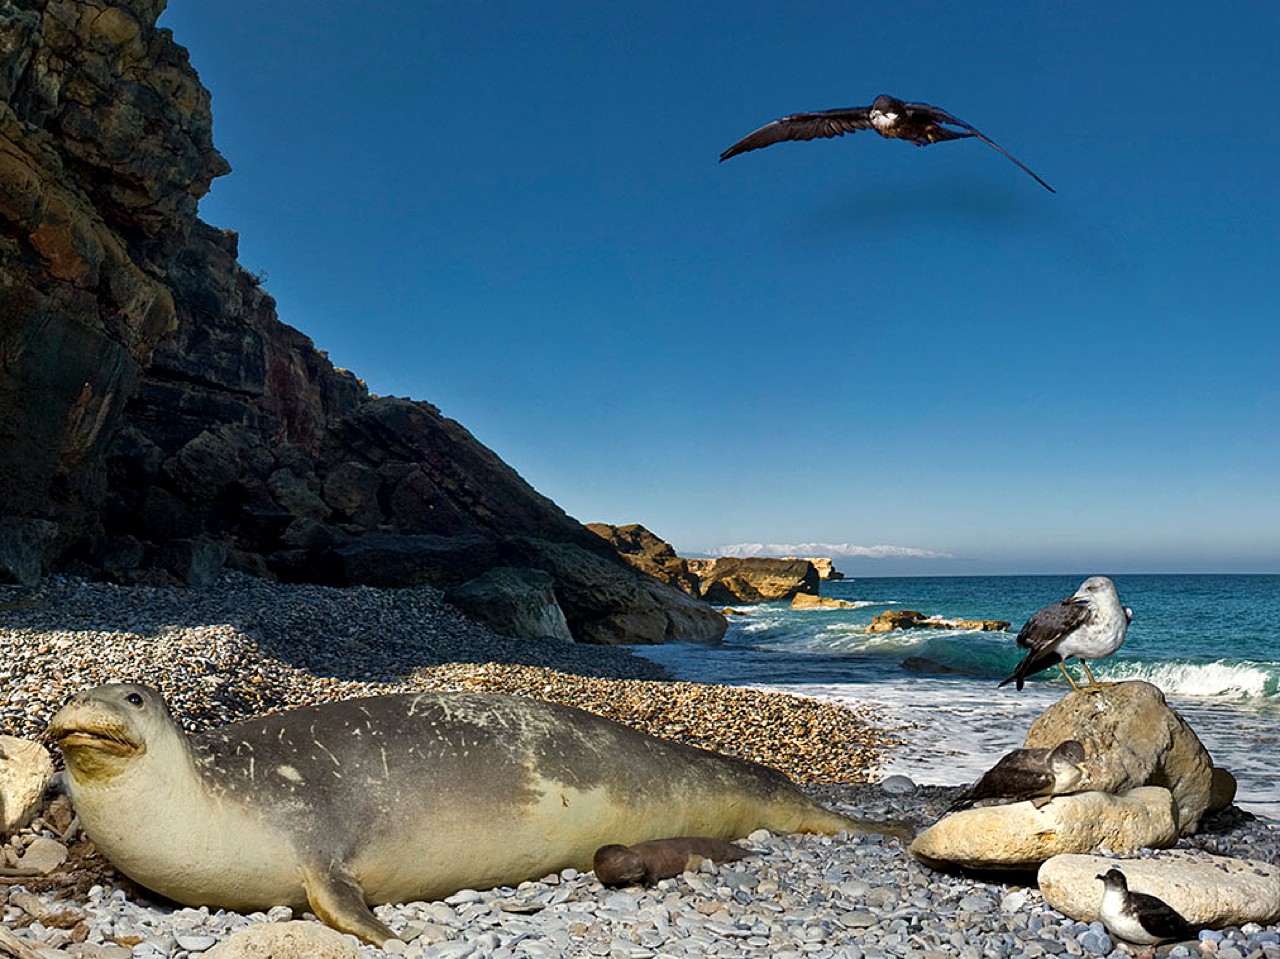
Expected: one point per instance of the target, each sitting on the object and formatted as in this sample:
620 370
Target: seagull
1138 917
1088 625
1027 774
894 119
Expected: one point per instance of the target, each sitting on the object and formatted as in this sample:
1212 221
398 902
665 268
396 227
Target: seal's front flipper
337 899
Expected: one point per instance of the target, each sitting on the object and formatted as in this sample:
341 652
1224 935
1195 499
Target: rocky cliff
158 420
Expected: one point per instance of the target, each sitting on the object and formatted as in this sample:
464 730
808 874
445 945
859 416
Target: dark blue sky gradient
515 211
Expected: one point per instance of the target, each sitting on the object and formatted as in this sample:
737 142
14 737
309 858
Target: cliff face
157 420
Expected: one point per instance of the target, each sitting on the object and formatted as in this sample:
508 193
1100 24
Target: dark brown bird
1032 773
646 862
918 123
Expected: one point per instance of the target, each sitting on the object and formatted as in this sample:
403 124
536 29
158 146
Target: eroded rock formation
157 419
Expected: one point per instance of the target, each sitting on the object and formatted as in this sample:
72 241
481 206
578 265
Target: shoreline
247 646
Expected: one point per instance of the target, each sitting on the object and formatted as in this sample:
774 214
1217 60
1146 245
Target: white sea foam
1222 678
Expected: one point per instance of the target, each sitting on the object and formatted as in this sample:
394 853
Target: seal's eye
133 699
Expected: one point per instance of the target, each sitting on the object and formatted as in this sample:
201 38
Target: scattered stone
1208 890
898 785
25 771
1022 835
43 856
286 940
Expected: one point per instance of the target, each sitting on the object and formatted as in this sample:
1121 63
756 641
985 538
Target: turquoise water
1211 642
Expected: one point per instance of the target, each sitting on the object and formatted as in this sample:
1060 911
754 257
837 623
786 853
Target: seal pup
647 862
1089 624
1035 773
397 798
1138 917
894 119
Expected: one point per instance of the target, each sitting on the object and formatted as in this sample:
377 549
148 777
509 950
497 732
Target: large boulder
514 601
1208 890
1023 835
753 579
1132 738
25 771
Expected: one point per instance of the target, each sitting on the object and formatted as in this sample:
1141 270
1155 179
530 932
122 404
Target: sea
1210 642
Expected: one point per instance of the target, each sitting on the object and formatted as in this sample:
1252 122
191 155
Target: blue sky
515 211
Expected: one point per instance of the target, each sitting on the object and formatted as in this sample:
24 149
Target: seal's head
618 865
102 731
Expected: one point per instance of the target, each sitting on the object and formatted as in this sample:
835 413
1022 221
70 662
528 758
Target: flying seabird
1027 774
1138 917
1088 625
918 123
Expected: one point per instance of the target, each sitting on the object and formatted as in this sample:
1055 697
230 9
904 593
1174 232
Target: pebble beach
245 647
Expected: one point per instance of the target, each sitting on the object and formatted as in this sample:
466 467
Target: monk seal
395 798
646 862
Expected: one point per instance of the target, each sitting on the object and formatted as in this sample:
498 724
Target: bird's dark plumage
1138 917
918 123
1027 774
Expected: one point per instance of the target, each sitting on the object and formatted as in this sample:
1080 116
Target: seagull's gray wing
1054 623
939 115
804 126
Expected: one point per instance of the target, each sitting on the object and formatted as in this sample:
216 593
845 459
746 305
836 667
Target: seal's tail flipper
337 899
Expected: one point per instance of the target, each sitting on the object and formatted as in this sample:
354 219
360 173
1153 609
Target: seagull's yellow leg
1094 685
1063 666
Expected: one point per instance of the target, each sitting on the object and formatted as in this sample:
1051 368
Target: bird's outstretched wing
939 115
805 126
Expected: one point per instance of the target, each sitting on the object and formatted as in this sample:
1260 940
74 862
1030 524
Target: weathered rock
286 940
806 601
1132 738
1208 890
649 554
823 564
23 542
25 771
1021 835
754 579
514 601
892 619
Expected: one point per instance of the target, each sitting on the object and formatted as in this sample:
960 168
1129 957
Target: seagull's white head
1096 587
